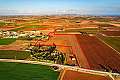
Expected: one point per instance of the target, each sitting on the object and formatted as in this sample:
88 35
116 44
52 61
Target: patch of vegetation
6 41
20 71
11 54
113 41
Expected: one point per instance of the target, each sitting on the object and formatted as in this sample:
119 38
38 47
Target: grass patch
20 71
6 41
113 41
11 54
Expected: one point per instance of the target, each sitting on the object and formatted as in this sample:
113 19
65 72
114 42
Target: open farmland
18 45
49 37
113 42
99 56
62 44
6 41
76 50
19 71
84 30
11 54
29 27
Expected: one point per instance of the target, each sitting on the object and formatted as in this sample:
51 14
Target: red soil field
72 41
74 75
112 33
98 54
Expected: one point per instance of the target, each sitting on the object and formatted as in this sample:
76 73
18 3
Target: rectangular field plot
7 41
113 41
11 54
19 71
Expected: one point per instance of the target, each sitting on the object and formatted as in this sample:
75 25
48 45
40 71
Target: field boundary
108 45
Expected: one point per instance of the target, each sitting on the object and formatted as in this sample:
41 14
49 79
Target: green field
6 41
113 41
19 71
31 26
10 54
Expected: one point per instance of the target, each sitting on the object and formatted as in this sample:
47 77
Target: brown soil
74 75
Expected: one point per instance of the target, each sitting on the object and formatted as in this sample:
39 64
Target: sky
48 7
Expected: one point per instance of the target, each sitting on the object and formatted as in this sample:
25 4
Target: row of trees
47 53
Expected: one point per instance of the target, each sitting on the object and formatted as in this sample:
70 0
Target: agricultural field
111 33
6 41
2 24
18 45
62 40
28 27
62 45
12 54
84 30
59 39
99 56
19 71
113 41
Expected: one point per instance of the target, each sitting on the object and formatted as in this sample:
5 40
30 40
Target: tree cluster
47 53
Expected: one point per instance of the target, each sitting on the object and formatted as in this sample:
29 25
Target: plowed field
98 54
